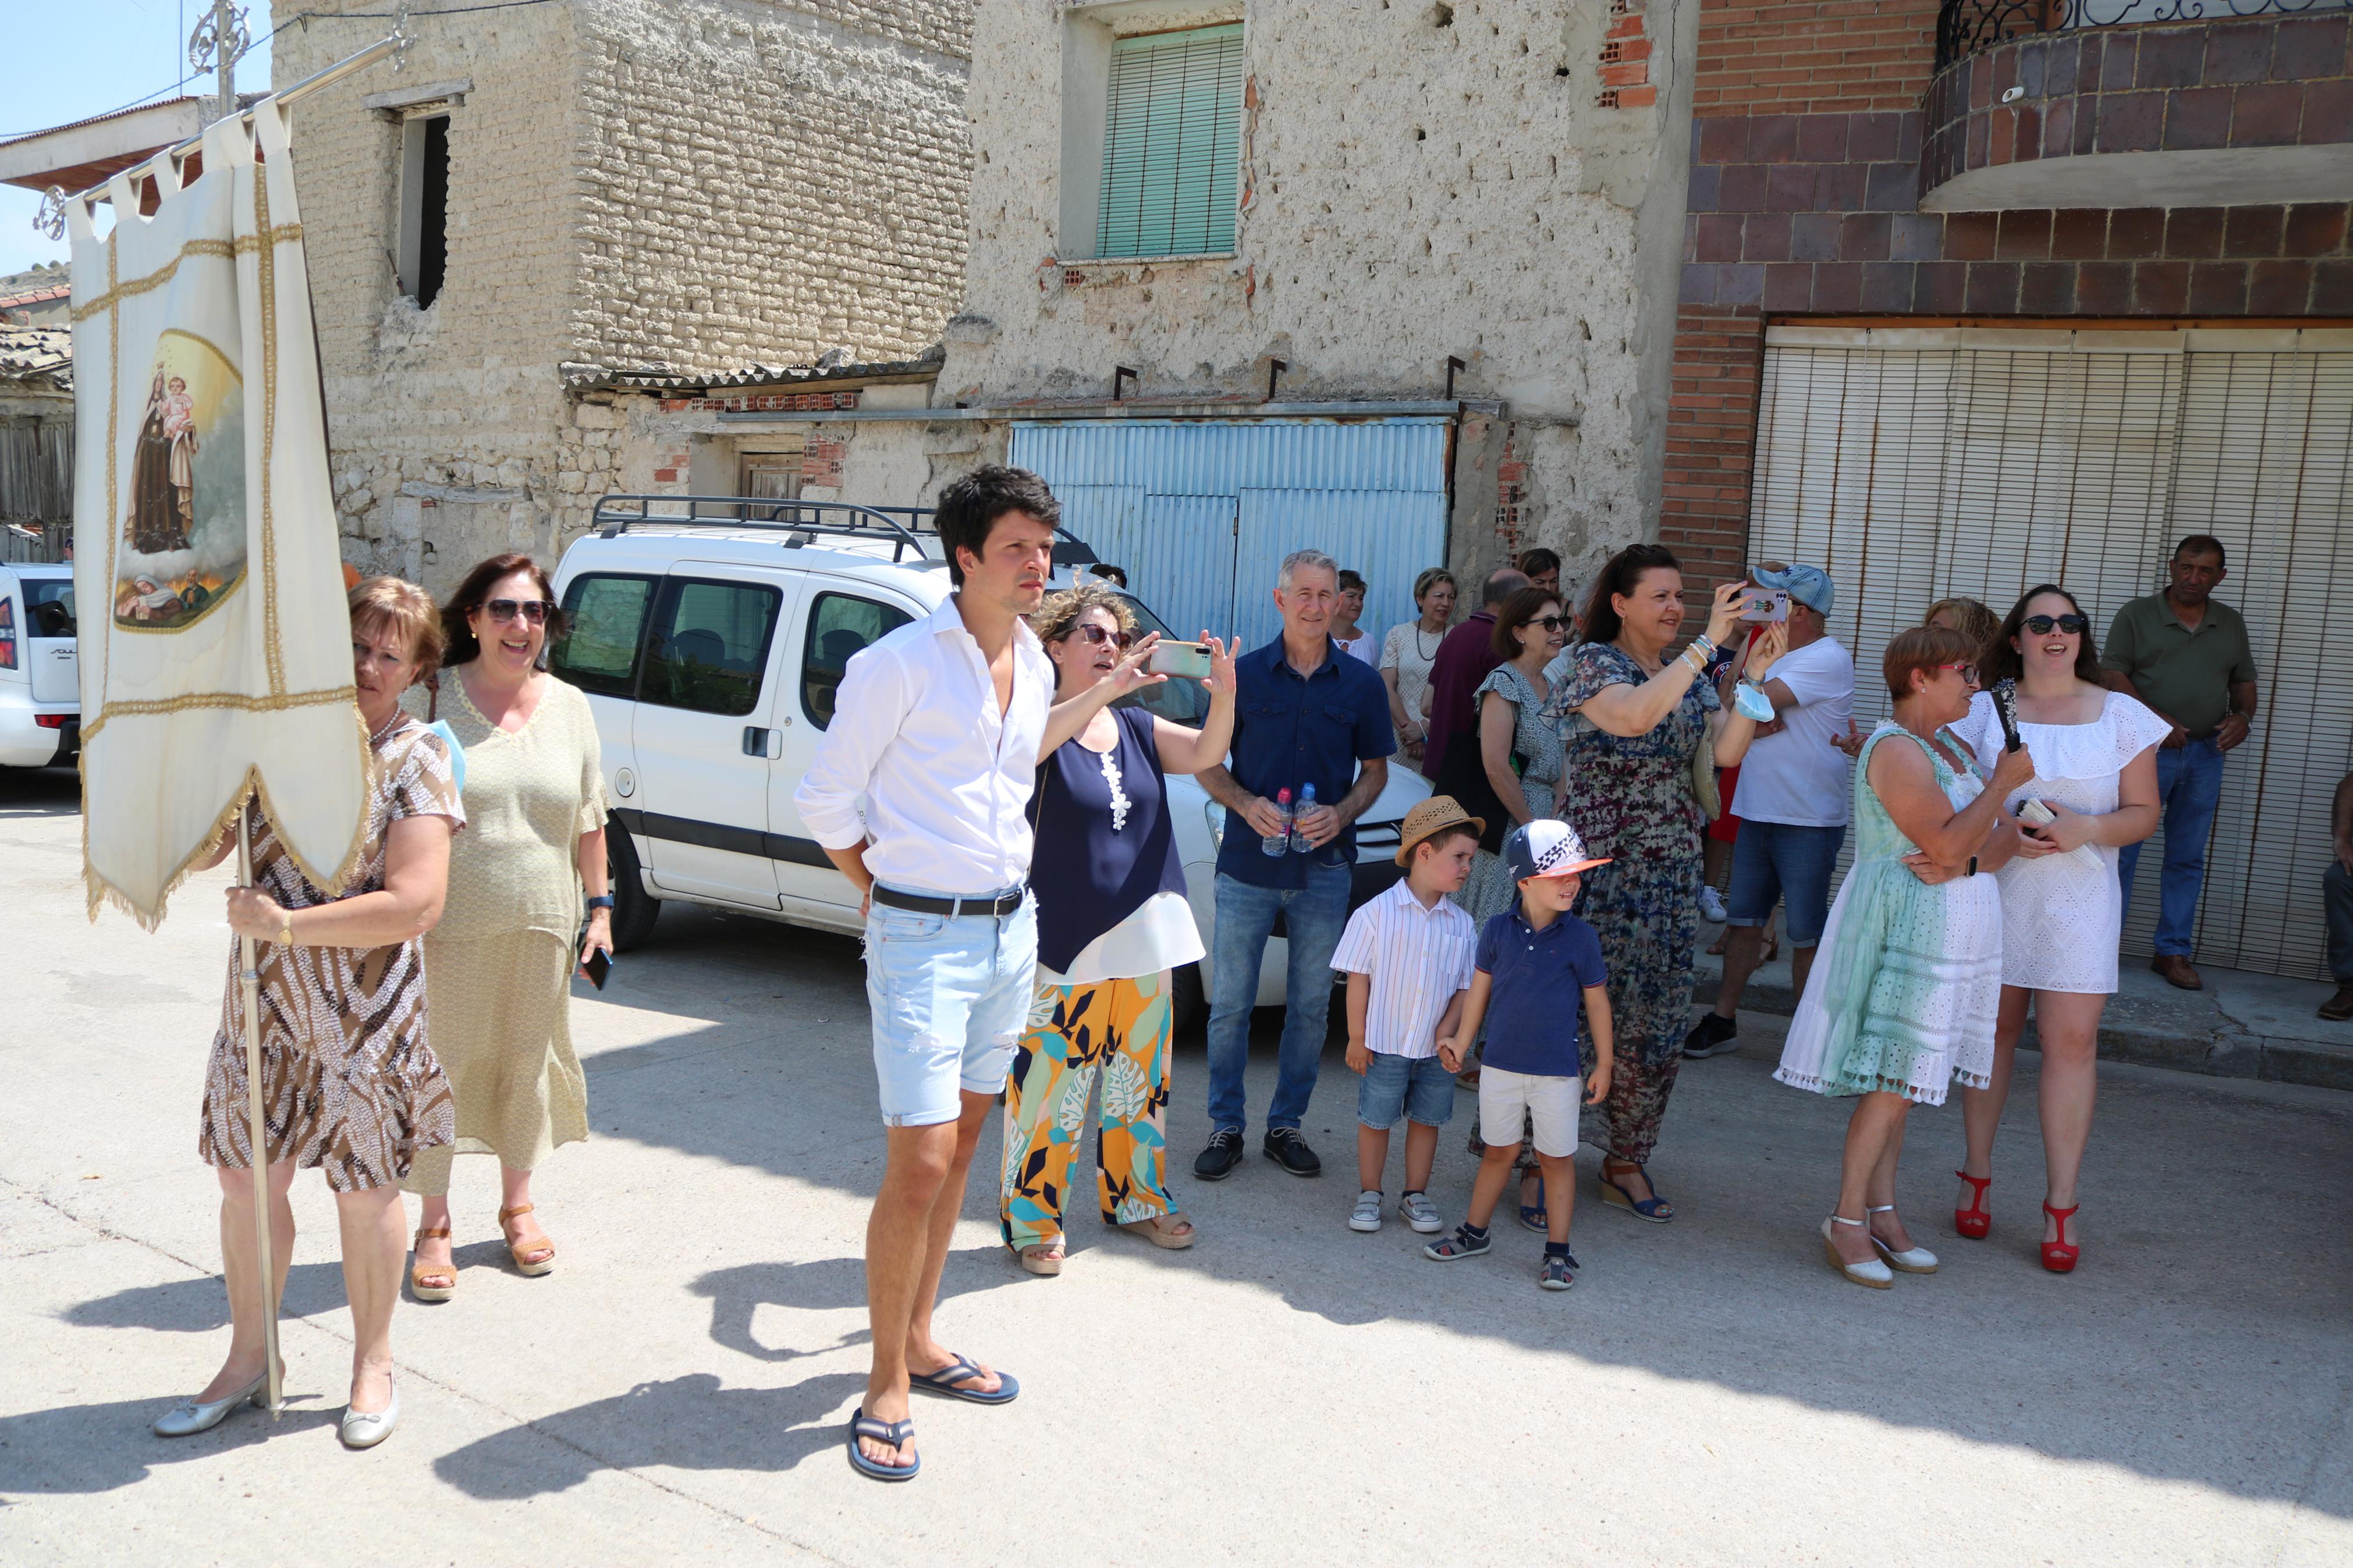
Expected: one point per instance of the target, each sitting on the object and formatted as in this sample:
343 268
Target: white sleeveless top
2063 915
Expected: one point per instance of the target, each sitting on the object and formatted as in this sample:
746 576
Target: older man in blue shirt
1303 715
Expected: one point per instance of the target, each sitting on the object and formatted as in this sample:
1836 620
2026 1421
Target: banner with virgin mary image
215 647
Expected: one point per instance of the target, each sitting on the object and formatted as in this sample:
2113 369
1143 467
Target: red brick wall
1804 200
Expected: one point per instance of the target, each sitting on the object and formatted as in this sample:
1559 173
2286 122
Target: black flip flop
944 1383
898 1434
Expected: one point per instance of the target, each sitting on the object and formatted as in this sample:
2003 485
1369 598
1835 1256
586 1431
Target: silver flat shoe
187 1418
366 1430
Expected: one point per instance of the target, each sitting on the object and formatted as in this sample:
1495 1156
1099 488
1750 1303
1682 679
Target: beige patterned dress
349 1082
499 964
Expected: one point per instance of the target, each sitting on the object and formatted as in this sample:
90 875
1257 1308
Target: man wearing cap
1794 800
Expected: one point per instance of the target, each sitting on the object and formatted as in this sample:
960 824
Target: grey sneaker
1420 1213
1366 1215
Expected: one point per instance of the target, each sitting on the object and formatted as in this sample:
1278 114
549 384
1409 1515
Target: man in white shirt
1793 801
940 727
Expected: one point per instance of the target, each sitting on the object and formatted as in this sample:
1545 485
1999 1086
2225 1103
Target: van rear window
49 607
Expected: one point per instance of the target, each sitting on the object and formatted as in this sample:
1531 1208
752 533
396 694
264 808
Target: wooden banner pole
249 978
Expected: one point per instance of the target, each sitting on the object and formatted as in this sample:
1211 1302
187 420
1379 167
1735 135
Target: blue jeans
1787 863
1315 917
2188 783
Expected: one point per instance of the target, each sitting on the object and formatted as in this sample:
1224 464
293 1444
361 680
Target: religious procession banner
214 646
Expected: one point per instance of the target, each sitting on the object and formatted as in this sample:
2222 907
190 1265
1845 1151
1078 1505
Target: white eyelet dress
2063 914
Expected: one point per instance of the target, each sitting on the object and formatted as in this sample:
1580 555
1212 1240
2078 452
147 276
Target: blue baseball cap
1809 586
1546 848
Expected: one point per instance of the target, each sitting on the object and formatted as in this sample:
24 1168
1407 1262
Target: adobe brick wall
1804 200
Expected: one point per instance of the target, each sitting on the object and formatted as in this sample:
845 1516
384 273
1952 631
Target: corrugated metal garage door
1201 514
1918 463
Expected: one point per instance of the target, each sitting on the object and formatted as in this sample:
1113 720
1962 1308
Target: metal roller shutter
1916 463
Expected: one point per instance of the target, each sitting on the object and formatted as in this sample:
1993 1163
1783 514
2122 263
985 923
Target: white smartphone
1767 606
1182 659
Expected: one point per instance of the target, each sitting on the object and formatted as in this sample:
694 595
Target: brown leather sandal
515 1249
432 1281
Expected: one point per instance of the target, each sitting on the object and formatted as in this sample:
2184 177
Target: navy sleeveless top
1098 856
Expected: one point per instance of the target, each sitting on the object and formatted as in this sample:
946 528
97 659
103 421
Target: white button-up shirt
1418 958
945 776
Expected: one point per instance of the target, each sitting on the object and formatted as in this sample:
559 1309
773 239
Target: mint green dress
1903 995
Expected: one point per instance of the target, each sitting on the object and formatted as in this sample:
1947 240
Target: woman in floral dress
1636 717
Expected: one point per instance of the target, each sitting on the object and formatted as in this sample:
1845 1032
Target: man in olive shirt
2185 654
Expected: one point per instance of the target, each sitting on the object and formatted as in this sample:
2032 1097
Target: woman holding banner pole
349 1083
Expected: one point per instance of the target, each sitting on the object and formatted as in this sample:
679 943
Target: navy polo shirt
1291 729
1538 985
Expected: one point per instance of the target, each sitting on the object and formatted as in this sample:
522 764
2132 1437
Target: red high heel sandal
1974 1222
2059 1257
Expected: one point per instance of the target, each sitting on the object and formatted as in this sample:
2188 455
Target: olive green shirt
2184 674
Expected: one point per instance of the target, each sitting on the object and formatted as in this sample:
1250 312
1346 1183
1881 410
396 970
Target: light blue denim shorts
950 999
1417 1089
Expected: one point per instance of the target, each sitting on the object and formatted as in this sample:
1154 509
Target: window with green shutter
1171 138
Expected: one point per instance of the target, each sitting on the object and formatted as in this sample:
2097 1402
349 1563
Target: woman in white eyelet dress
2063 908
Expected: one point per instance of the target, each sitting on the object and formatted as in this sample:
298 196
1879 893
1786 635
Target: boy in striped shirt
1407 957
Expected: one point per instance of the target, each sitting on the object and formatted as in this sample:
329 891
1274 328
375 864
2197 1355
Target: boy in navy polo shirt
1532 964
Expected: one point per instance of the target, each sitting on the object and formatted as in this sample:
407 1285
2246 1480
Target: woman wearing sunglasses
2096 769
499 967
1113 923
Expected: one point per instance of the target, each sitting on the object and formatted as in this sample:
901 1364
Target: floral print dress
1630 798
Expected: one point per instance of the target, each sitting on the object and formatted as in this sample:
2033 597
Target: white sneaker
1420 1213
1366 1215
1712 906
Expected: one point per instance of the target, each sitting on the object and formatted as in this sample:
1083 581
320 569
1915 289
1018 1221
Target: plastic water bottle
1299 844
1279 841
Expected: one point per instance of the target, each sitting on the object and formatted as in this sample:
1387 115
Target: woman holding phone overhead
2096 774
1112 923
500 966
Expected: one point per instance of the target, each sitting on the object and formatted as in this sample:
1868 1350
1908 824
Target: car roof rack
800 521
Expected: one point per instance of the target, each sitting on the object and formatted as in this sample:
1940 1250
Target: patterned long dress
1629 799
349 1082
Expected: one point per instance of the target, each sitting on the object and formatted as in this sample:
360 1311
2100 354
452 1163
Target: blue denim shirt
1289 731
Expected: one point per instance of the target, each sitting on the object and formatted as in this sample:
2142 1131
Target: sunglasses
535 611
2042 626
1096 635
1548 623
1968 672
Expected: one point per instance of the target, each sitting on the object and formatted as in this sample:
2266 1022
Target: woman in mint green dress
1904 999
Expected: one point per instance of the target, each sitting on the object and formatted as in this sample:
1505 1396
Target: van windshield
1185 702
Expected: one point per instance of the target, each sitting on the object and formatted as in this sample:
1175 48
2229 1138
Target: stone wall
1418 181
700 185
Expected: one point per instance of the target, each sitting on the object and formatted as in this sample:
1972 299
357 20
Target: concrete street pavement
1289 1391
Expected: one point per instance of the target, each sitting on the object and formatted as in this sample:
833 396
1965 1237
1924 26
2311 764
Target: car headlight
1216 814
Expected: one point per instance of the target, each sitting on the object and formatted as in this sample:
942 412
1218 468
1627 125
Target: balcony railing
1966 27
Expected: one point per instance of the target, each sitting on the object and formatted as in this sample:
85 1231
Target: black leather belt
999 904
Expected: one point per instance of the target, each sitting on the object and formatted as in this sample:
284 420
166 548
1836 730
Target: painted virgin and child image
184 530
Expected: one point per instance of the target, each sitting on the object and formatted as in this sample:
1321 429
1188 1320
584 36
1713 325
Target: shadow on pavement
772 1073
39 791
99 1447
690 1422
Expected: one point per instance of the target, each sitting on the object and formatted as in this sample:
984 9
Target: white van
711 635
40 678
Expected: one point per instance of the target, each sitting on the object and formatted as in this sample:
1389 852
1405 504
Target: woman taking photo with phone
2062 911
500 965
1112 923
1642 726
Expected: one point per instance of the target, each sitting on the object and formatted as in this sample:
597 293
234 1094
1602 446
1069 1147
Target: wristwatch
601 902
1973 867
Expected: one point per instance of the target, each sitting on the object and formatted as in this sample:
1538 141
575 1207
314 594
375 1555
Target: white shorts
1550 1103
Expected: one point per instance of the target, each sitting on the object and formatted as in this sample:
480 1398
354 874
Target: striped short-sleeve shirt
1417 957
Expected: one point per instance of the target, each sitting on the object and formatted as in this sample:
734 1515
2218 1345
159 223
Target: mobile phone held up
1188 660
1767 606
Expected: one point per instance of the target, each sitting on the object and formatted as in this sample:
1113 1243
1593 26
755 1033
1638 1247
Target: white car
40 681
711 644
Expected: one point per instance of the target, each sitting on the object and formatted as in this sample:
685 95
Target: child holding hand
1534 964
